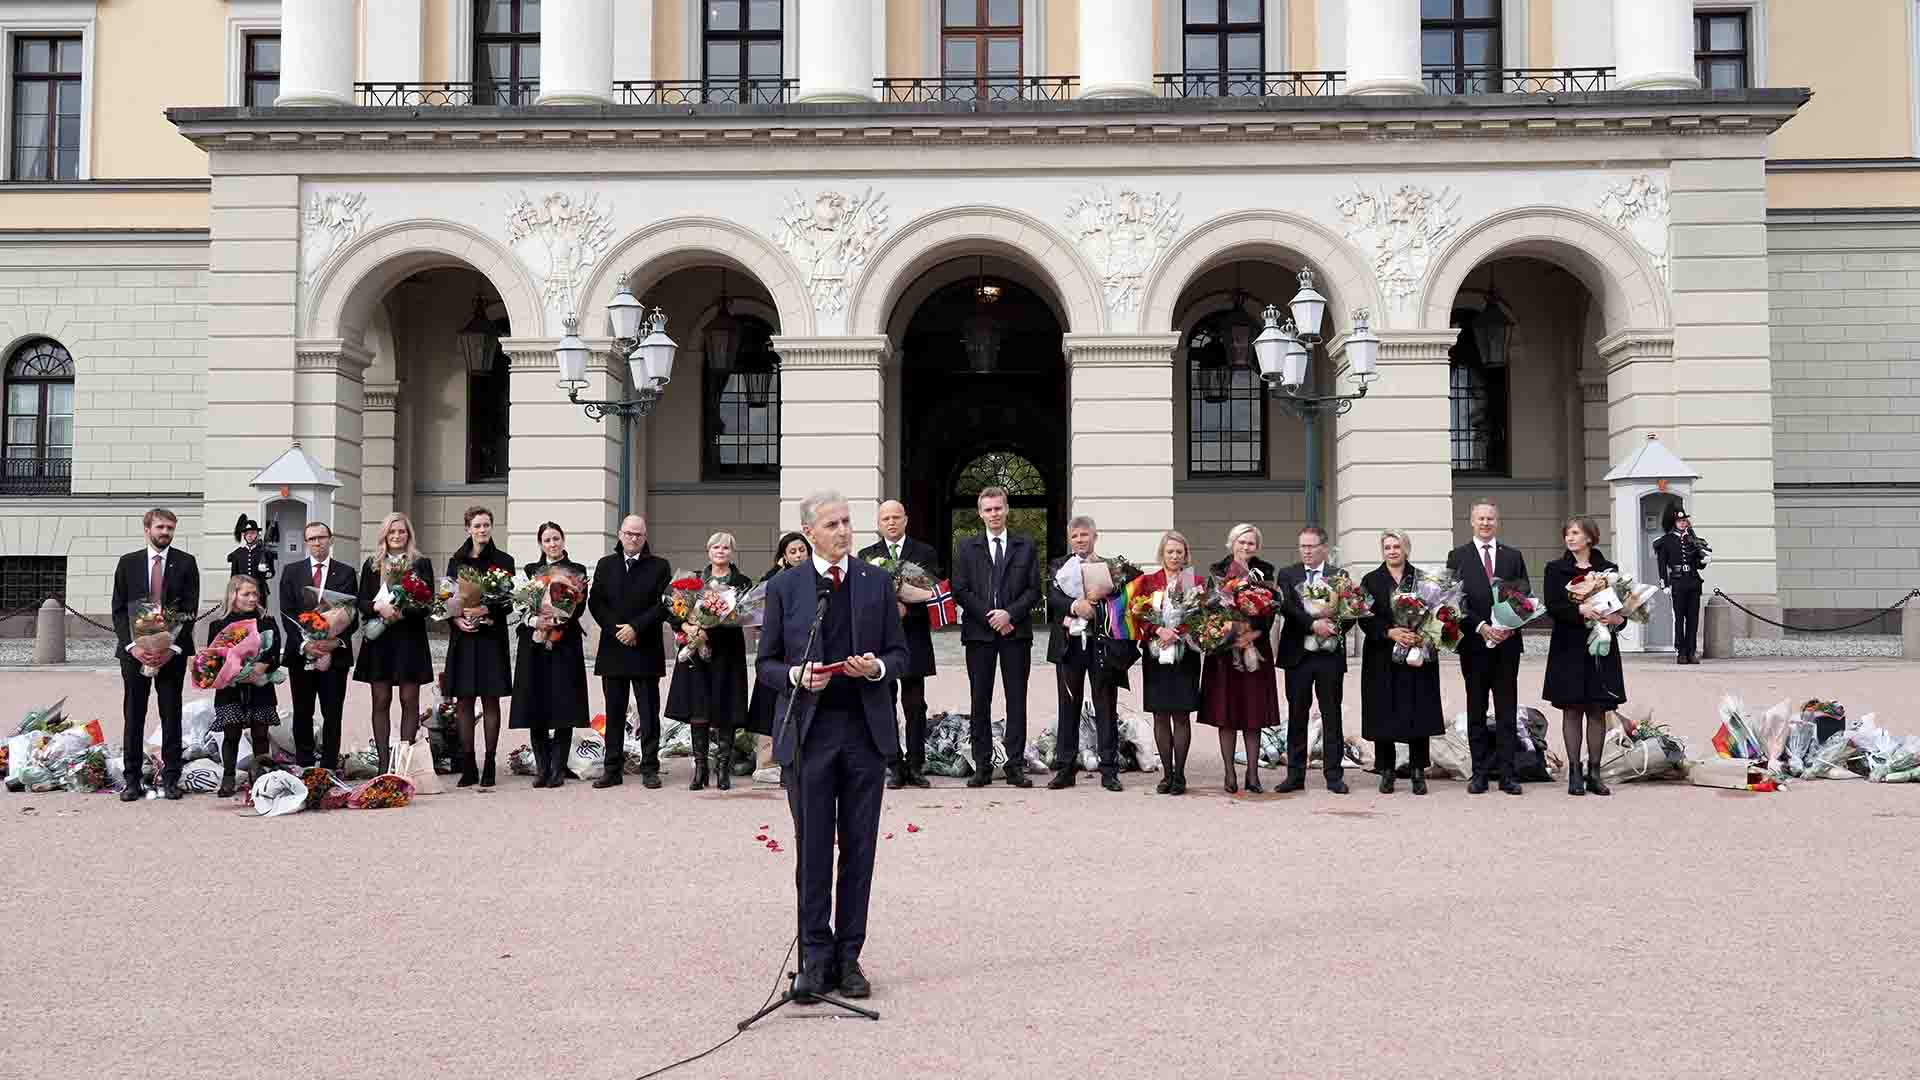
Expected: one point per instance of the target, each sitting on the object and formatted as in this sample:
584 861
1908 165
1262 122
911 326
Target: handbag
414 760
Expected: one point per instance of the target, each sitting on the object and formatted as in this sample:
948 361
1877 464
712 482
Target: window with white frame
46 73
1721 56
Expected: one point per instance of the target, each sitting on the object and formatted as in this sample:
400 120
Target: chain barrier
34 610
1882 613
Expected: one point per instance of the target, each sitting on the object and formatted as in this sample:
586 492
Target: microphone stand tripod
799 848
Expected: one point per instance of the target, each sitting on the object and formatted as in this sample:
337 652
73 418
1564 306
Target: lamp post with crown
642 339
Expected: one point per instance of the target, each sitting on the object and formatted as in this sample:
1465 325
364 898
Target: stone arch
344 292
934 238
1342 274
678 243
1631 290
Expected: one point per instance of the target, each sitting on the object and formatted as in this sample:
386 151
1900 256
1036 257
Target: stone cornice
832 352
1119 350
382 397
1408 347
1632 345
331 354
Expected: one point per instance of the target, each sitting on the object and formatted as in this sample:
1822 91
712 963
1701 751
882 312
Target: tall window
980 40
488 396
1477 406
263 68
1460 46
1720 49
1226 401
743 407
1224 49
506 52
46 108
38 420
741 40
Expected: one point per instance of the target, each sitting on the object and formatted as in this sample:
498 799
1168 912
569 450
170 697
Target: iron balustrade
705 92
1449 80
968 88
1233 84
37 476
445 94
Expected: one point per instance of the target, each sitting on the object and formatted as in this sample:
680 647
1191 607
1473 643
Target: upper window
1223 47
743 405
741 40
1226 401
506 52
46 108
262 78
1720 50
38 419
1477 408
980 41
1460 46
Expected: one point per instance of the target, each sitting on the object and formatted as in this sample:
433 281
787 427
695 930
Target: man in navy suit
836 733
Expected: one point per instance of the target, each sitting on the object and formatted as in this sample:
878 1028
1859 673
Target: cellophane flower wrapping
1642 750
1175 608
407 592
1338 599
1243 594
47 718
386 791
329 617
473 587
153 630
912 583
1432 610
702 605
1513 606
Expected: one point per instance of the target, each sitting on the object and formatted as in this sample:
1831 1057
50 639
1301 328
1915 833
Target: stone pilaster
1393 452
1121 452
561 466
329 423
1639 367
1592 456
832 422
379 459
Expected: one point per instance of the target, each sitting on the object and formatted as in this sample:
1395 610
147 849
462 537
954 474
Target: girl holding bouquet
398 656
479 664
710 693
1171 692
552 697
1398 703
1242 702
1581 685
246 706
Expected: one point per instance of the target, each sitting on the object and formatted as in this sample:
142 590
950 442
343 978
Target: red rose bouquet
406 592
154 627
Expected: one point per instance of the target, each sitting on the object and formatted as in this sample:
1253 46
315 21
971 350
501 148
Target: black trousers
329 687
1317 675
910 696
1074 681
1686 617
1496 674
646 699
1386 755
135 687
835 789
1014 657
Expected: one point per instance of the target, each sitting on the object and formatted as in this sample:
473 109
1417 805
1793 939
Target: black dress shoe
1110 779
226 788
132 794
1575 785
1511 787
1291 783
1179 784
1017 777
540 779
1478 785
916 778
1419 783
1165 786
614 778
853 981
1337 786
896 777
1252 783
1065 778
1594 784
170 788
811 981
650 780
1386 782
980 778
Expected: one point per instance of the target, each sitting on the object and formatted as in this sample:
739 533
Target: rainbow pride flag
1122 623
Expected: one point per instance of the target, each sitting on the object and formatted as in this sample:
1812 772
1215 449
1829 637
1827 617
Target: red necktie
156 581
835 571
1486 556
319 581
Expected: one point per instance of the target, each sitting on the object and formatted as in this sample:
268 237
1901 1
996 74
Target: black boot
1575 785
557 760
1165 786
1179 785
723 770
1110 777
486 772
610 774
542 763
1419 781
469 773
699 782
1594 786
1386 781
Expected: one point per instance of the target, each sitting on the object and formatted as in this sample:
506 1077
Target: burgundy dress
1242 700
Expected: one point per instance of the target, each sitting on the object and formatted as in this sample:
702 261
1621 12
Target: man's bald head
633 534
893 520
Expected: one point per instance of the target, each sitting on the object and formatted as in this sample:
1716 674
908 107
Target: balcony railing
967 89
36 476
706 92
1519 81
436 95
1251 84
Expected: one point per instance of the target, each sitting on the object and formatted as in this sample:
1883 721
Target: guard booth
1644 486
292 491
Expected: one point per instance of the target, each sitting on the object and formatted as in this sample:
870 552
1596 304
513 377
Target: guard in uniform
253 558
1683 555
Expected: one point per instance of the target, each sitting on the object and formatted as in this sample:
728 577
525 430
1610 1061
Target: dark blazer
973 587
918 625
783 643
636 598
257 562
180 586
1296 624
1397 703
1674 566
1575 678
1476 602
296 584
1115 657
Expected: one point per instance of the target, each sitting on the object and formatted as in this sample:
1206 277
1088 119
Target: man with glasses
301 587
628 602
1311 673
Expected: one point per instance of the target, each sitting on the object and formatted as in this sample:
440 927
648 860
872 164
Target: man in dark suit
162 573
628 602
1077 647
1681 555
996 580
300 583
911 687
1489 655
835 735
1311 673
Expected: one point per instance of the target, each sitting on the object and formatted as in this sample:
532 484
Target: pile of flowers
407 592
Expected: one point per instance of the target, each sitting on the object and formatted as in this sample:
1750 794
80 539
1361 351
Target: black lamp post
650 354
1285 351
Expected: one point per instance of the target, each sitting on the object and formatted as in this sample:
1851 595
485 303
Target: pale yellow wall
1855 56
669 39
1819 190
1540 33
906 55
1302 35
140 48
103 209
1063 38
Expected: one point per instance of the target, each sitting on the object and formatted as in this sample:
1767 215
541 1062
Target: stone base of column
1102 91
311 99
1384 86
1658 80
836 96
574 97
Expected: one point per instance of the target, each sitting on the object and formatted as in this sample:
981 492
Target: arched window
742 392
1460 46
506 52
38 421
1226 401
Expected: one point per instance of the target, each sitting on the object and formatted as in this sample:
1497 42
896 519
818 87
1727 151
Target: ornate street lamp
650 354
476 340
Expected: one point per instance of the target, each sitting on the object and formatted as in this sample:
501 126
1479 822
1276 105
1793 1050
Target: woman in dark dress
1171 692
1238 701
399 658
551 682
761 710
1398 703
1582 686
242 707
711 693
479 659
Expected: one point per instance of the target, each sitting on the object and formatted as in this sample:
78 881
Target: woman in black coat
1582 686
552 681
711 693
399 658
1240 703
1398 704
479 659
761 710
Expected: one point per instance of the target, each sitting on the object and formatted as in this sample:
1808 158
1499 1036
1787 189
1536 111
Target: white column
576 52
832 423
836 53
1653 45
1116 49
316 52
561 466
633 43
1391 456
1383 47
1121 419
395 31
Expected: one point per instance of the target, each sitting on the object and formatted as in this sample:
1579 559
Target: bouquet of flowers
330 616
154 627
1610 592
701 605
1642 750
1094 580
912 583
1175 608
1244 595
88 771
407 592
382 792
1513 608
1432 610
556 594
1338 599
230 656
50 719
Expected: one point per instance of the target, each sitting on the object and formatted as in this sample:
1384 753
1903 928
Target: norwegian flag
942 611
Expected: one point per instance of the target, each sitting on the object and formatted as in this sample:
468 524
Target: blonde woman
1398 703
1171 692
399 658
711 693
1242 702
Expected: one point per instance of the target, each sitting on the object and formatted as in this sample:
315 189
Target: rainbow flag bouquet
1145 611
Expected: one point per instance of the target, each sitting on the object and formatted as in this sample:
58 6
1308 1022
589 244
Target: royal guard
252 558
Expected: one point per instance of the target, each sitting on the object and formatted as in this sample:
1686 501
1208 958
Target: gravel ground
1667 931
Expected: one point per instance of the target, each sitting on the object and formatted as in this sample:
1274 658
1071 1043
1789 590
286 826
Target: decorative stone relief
830 236
328 222
1638 207
1123 236
561 238
1401 229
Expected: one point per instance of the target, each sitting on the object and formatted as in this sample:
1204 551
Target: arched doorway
1030 500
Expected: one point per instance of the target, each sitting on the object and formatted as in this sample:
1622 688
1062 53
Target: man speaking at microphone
837 735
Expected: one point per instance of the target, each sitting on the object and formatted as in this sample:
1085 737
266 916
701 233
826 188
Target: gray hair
1082 521
1235 533
811 506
